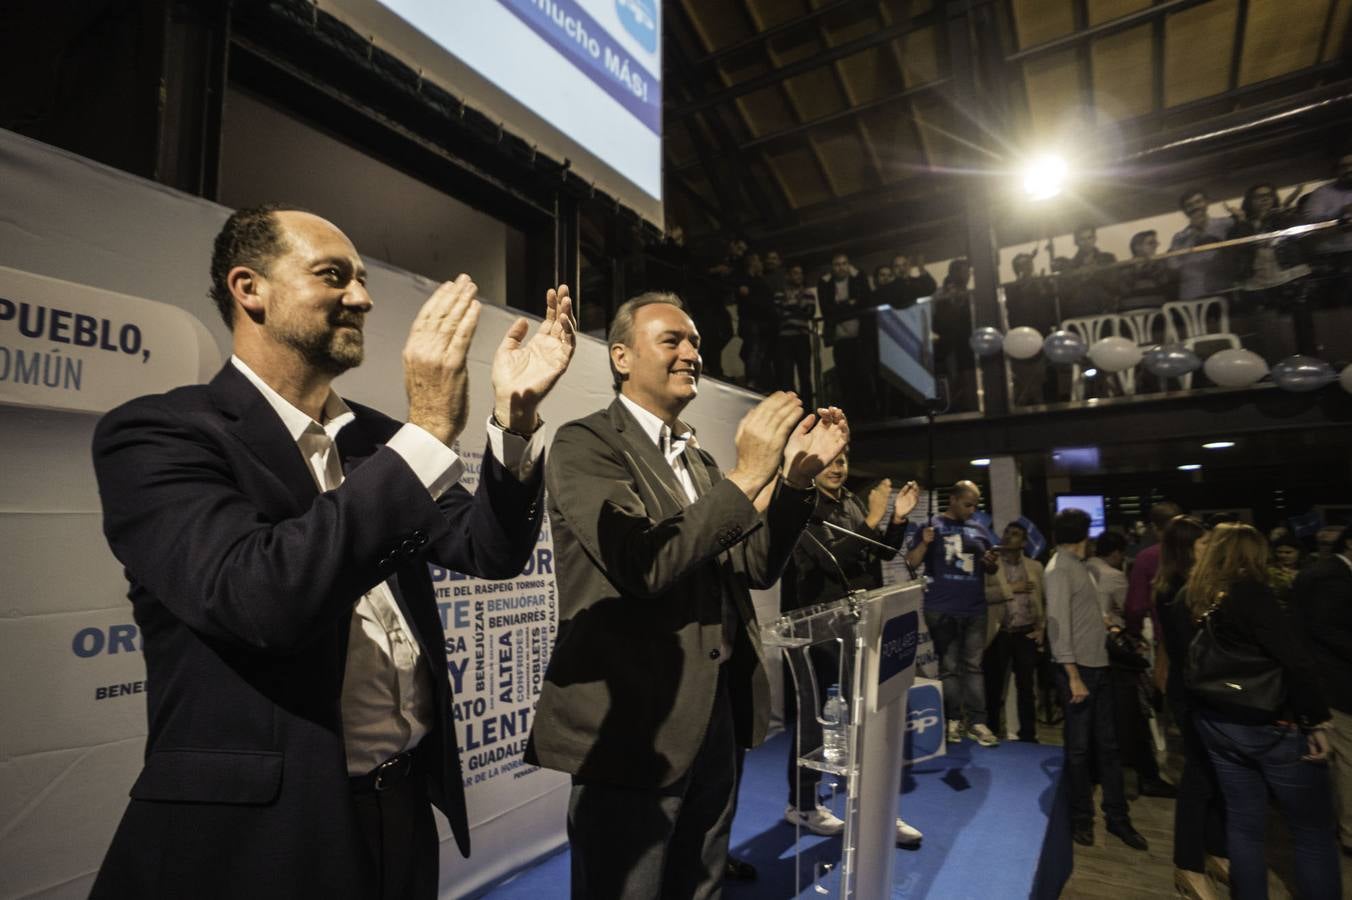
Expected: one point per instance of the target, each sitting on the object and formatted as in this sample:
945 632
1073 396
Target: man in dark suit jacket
276 540
843 295
658 672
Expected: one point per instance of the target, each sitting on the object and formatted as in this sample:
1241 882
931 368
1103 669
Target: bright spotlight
1044 177
1091 373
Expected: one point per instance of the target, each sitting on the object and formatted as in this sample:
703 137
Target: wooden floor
1110 870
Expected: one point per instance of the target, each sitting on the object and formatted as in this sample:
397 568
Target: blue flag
1306 524
1035 544
982 520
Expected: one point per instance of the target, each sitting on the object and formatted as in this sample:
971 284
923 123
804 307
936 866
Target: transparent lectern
871 639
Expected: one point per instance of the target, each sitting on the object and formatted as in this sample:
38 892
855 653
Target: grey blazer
642 577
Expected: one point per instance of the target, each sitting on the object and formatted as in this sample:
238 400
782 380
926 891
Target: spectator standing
797 307
1148 282
757 324
844 294
1084 291
1031 301
1131 685
951 322
820 558
1076 632
957 556
1014 597
1285 566
1139 604
1257 752
1322 597
1199 811
1332 201
709 306
901 284
1199 274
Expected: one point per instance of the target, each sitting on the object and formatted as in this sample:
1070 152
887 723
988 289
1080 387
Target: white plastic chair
1188 322
1143 327
1090 329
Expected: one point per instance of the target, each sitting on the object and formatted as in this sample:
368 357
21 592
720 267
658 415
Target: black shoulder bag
1228 675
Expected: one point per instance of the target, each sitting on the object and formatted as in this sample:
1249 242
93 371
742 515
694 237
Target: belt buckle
387 766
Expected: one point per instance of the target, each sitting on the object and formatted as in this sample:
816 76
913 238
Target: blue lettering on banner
570 30
90 642
61 326
898 645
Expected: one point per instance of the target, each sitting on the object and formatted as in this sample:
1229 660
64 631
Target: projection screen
579 79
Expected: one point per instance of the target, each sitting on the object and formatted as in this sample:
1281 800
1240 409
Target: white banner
85 239
72 346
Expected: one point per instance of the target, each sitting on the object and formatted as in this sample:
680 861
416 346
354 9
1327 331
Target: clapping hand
907 498
816 441
435 376
524 373
877 500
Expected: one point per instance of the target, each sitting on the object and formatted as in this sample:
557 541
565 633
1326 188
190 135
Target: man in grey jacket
1076 631
658 673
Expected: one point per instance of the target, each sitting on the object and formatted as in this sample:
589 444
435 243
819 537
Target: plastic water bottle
835 718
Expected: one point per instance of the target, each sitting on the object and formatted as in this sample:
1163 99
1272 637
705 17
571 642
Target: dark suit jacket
1322 596
243 582
642 577
834 312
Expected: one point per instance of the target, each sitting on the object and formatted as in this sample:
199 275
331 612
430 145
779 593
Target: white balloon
1023 342
1345 379
1235 367
1115 354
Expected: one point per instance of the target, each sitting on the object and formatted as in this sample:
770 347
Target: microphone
818 520
845 582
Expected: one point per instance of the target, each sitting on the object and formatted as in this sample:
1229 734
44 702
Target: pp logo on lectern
922 720
924 736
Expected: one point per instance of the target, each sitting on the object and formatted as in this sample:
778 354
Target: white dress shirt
672 446
387 699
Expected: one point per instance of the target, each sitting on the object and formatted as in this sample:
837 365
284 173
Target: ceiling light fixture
981 461
1218 445
1189 467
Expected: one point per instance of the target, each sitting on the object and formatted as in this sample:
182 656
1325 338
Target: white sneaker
820 821
908 835
983 736
954 732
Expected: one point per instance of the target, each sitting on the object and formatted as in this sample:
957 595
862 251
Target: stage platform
994 828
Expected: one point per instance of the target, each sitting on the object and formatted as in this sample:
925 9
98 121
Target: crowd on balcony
776 301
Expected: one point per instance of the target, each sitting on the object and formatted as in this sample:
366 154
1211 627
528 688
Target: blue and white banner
924 721
76 347
598 50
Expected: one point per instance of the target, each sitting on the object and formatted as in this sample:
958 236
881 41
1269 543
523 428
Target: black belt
388 774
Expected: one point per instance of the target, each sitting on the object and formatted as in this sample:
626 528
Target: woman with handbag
1260 710
1199 812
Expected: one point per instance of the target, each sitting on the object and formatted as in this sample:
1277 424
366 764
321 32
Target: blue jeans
959 642
1250 760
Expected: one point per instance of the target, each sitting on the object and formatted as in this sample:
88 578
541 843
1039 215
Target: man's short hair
622 326
1017 527
1109 542
1085 226
1190 192
251 237
1070 526
1140 238
1162 513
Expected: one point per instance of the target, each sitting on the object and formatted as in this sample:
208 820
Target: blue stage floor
987 814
